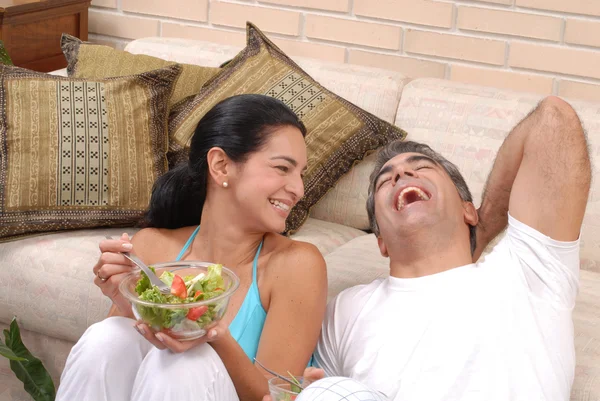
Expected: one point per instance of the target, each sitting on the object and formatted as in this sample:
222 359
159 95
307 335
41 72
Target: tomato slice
195 313
178 287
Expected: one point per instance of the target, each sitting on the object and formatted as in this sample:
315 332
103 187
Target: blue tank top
246 328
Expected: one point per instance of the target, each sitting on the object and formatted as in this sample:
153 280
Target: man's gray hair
398 147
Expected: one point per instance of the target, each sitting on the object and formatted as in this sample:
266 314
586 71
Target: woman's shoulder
294 270
156 245
285 246
289 253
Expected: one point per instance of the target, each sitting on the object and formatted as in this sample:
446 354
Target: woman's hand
111 268
161 340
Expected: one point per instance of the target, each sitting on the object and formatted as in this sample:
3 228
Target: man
443 328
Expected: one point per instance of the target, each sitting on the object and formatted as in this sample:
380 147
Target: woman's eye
421 167
285 169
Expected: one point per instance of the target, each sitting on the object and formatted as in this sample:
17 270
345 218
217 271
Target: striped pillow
78 153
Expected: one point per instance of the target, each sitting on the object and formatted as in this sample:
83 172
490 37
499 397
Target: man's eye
422 167
382 182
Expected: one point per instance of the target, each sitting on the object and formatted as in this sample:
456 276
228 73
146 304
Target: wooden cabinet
31 30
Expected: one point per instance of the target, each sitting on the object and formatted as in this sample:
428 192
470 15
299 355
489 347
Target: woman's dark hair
240 125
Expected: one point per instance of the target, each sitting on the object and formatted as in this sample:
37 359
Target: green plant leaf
4 57
8 353
30 371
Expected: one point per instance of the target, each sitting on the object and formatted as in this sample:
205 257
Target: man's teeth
280 205
420 193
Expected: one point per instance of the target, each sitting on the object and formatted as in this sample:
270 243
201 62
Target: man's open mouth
411 195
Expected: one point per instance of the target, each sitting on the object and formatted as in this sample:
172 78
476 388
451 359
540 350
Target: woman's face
269 183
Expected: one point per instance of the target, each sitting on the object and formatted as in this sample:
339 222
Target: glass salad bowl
200 294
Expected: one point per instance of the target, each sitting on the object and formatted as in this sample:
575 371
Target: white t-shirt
500 329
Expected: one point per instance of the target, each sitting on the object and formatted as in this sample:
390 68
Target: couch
46 280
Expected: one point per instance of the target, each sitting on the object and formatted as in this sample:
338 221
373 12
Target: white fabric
339 389
112 362
498 330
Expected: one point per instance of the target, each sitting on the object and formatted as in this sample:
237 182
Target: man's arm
541 175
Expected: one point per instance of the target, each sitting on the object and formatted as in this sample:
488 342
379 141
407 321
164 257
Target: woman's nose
296 187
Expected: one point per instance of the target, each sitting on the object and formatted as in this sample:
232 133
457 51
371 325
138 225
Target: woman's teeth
279 205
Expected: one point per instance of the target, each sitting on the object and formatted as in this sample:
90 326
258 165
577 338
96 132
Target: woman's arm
298 296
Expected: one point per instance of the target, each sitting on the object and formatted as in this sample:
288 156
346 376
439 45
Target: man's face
414 194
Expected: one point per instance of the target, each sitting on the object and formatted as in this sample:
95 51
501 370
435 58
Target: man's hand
312 374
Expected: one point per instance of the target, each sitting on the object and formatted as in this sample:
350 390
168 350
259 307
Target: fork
285 379
154 280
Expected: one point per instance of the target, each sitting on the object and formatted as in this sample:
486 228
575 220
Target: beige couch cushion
325 235
184 50
467 124
47 282
359 262
356 262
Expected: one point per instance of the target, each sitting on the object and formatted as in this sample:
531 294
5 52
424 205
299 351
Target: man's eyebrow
418 158
411 159
287 159
384 170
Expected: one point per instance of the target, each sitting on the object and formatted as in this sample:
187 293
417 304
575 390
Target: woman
226 205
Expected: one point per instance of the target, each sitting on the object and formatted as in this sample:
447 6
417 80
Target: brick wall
543 46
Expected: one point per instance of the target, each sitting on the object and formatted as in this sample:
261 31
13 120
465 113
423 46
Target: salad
186 290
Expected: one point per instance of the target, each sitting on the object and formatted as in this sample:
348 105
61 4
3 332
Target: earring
225 184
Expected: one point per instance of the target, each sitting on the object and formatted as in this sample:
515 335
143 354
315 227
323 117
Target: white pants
113 362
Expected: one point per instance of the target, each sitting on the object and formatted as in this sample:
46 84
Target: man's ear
382 247
471 215
219 165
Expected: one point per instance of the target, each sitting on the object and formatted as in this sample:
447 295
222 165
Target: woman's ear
471 215
219 165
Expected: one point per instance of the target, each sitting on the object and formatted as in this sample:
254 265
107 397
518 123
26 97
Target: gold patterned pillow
92 61
76 153
339 133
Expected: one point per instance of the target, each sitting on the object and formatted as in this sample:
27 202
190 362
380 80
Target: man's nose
402 172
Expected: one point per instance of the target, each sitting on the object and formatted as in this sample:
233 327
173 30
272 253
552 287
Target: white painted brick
362 33
423 12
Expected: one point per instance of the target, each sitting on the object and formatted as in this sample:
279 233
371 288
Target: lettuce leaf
167 278
144 282
213 279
